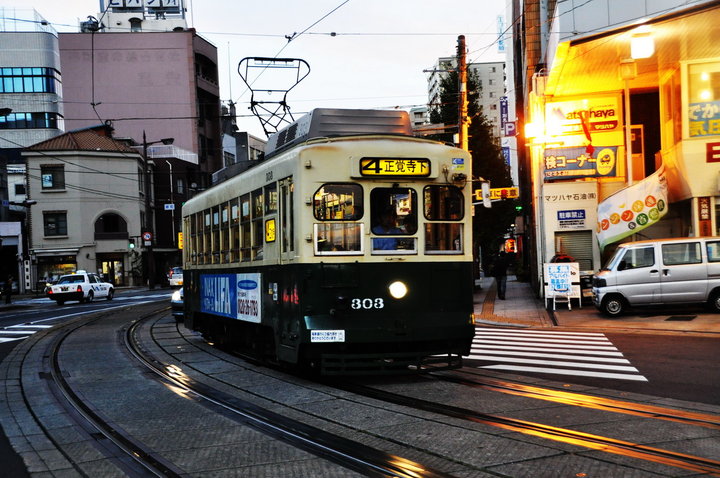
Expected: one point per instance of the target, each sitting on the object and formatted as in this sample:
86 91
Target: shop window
704 99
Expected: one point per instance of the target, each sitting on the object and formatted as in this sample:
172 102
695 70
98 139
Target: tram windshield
394 216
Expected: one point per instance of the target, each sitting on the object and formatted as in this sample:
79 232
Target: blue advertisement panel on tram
236 296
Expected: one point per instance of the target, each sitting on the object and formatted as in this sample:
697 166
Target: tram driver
385 224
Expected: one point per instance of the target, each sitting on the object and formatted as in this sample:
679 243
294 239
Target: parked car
81 286
660 272
177 305
175 277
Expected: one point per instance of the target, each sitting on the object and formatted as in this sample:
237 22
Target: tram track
706 420
161 348
588 440
595 442
117 446
348 453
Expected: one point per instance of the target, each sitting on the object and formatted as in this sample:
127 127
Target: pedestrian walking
7 289
500 273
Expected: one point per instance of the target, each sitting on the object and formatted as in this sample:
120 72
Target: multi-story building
491 82
31 111
621 107
90 191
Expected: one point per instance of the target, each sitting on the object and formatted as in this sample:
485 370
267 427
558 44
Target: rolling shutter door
578 244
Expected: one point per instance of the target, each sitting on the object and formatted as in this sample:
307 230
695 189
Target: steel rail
564 435
345 452
119 447
705 420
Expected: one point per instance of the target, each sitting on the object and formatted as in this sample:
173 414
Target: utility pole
148 218
462 98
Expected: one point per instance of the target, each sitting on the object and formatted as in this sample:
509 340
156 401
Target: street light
148 210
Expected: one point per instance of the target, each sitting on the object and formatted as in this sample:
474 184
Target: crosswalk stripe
552 349
540 344
560 371
4 339
553 362
538 332
17 332
554 356
545 341
548 335
28 326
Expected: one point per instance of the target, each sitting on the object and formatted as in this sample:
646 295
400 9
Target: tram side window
257 224
245 227
394 217
288 219
225 233
207 244
234 230
443 203
216 234
338 206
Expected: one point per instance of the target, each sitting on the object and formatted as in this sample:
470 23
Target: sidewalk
523 309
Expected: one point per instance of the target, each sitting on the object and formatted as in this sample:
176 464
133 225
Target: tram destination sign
415 167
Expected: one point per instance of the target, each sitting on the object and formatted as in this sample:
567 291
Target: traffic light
131 244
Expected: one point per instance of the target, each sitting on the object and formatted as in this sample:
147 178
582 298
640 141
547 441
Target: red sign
712 152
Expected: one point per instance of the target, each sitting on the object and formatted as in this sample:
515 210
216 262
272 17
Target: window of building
30 121
20 189
52 176
29 80
703 99
111 226
55 223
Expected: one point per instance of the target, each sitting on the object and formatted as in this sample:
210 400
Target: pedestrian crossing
584 354
19 332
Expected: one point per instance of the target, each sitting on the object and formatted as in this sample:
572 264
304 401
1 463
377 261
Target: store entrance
112 269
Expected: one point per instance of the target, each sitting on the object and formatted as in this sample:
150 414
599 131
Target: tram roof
331 122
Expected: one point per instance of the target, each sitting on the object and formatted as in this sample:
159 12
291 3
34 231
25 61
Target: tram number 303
367 303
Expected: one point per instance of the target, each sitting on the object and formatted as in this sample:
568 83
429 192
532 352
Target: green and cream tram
347 250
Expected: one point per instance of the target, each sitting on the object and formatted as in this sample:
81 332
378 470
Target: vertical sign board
562 277
704 217
236 296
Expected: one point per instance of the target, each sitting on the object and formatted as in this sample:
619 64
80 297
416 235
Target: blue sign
571 214
580 162
218 294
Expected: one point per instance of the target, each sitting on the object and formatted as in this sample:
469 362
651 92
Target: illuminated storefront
655 87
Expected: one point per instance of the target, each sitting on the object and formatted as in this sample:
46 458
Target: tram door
287 220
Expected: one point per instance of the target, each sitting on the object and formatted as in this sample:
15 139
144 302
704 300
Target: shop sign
583 116
577 162
704 118
632 209
571 219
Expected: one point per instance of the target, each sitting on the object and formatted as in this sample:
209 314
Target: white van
660 272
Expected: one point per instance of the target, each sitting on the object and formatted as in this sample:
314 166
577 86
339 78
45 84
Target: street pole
462 100
148 218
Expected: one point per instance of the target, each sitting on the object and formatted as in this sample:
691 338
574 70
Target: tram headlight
398 289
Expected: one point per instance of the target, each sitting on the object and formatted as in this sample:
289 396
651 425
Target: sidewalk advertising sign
632 209
562 278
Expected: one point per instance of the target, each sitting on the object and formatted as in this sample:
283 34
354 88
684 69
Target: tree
488 163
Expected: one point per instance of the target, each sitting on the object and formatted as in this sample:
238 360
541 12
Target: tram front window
394 218
338 206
